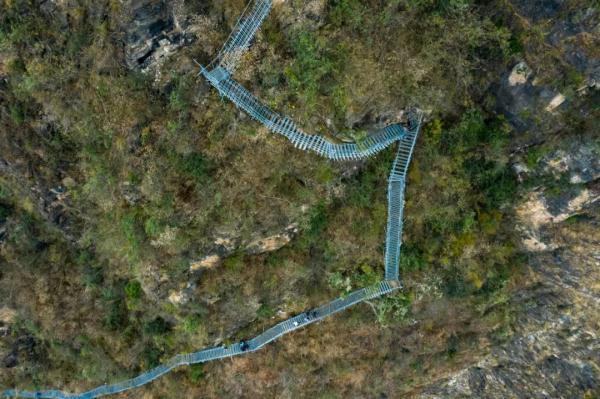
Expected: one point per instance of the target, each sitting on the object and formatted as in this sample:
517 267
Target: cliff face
554 350
141 216
153 31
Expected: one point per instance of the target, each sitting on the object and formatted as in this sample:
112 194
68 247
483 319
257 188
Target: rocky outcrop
153 32
571 67
15 347
553 352
520 98
572 28
49 199
227 246
271 243
573 170
224 248
580 161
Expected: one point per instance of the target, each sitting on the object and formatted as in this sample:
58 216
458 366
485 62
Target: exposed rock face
7 317
555 102
184 295
208 262
13 346
519 74
580 165
50 199
580 162
153 281
519 97
571 31
553 352
153 32
272 243
538 212
577 35
538 10
225 247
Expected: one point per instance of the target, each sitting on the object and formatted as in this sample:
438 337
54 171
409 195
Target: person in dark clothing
244 346
310 315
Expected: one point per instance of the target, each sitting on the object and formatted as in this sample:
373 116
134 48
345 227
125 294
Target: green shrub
180 97
133 290
434 131
195 166
452 346
273 33
317 224
153 227
366 277
17 113
577 218
27 240
338 282
312 67
234 262
196 373
439 6
4 193
324 174
5 211
347 12
533 156
455 284
573 78
157 326
133 231
150 356
116 315
191 323
411 258
495 181
393 308
265 311
76 41
515 45
93 275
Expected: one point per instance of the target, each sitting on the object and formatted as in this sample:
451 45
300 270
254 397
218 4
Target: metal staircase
218 73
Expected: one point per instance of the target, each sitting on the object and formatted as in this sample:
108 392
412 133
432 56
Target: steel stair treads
219 75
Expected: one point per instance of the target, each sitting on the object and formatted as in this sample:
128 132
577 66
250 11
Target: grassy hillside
114 181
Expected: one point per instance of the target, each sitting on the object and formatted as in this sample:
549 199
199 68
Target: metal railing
218 73
222 352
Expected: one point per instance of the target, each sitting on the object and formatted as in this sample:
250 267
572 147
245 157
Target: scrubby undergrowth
147 173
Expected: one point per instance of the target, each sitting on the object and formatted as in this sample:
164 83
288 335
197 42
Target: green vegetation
157 171
158 326
234 262
116 315
313 65
196 373
265 312
195 166
133 290
150 356
317 224
393 309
